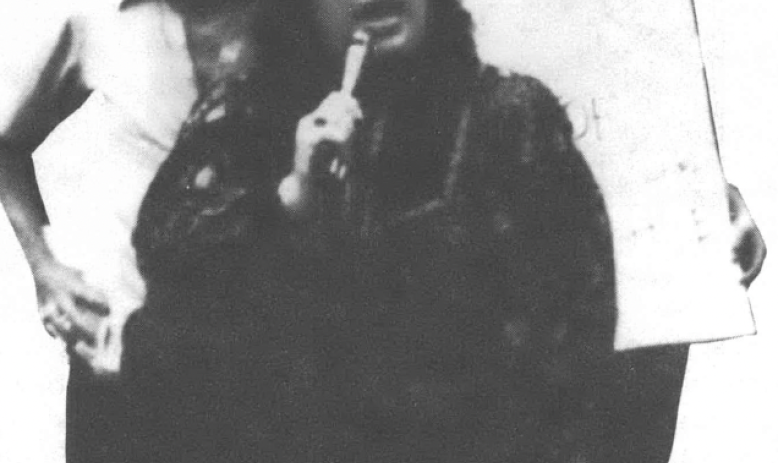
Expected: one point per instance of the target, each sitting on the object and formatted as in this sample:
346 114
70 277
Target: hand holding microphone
323 137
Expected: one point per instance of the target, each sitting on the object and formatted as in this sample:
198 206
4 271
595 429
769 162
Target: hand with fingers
322 146
748 246
324 136
70 309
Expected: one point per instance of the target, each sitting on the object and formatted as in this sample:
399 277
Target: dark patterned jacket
464 313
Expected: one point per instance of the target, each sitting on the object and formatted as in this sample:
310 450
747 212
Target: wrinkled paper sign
631 75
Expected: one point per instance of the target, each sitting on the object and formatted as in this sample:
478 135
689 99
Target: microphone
296 191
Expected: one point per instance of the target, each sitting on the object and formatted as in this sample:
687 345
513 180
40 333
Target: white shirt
93 171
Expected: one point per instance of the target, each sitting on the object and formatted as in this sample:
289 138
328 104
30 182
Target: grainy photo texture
313 231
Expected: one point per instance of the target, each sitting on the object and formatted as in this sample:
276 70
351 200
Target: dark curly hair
296 71
447 60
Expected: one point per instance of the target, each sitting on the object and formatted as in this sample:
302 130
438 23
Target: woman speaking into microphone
372 247
420 269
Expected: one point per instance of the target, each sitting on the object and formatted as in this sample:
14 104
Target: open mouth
378 12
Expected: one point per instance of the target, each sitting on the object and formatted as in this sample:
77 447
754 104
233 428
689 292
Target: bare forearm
22 202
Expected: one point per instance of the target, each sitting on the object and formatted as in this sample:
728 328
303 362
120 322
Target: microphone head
355 59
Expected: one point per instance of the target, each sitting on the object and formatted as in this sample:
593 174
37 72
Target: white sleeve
145 68
38 49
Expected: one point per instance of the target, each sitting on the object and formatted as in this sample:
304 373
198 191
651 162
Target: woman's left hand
748 246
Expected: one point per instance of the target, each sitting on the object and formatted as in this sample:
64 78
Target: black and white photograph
388 231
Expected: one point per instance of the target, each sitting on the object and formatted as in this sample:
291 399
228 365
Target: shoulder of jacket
501 90
517 117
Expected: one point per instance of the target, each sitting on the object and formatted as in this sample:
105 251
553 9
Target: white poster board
631 75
